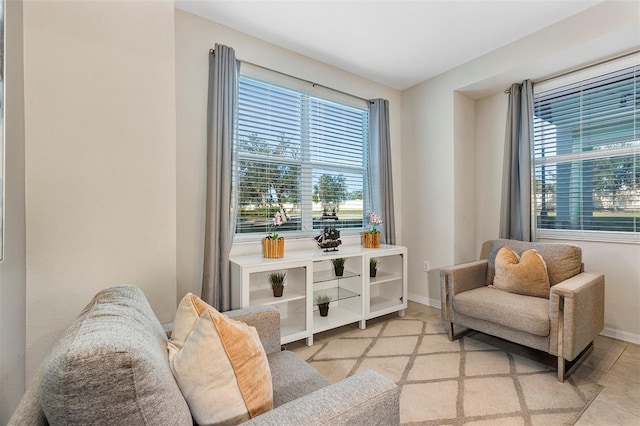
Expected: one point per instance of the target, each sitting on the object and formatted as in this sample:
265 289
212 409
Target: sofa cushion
292 377
111 367
563 260
524 313
526 274
220 365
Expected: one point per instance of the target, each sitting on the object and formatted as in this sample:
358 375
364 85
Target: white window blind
301 155
587 158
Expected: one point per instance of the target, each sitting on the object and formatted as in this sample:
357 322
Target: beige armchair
565 325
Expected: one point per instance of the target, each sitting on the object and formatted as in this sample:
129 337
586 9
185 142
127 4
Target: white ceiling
395 42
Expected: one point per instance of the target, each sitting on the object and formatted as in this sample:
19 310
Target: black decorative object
329 240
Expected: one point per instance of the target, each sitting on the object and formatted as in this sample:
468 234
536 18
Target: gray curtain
219 223
380 173
516 219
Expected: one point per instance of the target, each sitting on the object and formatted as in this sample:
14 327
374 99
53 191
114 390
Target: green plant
339 262
373 263
323 299
277 279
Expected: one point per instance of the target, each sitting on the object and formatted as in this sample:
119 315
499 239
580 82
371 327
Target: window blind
587 157
301 155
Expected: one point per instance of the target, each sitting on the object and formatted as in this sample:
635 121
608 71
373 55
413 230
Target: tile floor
614 364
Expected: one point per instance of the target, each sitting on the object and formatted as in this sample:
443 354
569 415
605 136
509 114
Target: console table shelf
356 297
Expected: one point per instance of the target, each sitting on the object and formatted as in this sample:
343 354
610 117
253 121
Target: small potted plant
373 267
338 266
371 239
323 301
273 244
277 283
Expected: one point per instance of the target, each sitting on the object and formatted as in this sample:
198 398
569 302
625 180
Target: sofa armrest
266 320
576 313
363 399
459 278
29 411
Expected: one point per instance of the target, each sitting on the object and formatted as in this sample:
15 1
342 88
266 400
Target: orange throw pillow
219 364
526 274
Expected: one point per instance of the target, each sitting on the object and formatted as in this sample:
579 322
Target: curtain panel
380 170
516 218
219 223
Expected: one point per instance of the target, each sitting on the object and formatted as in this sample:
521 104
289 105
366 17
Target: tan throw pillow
219 364
522 275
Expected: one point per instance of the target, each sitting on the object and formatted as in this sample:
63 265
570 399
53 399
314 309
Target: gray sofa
565 325
111 367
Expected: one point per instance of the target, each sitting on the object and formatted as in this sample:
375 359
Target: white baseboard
621 335
608 332
434 303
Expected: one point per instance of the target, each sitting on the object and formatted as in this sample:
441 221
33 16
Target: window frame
306 164
569 158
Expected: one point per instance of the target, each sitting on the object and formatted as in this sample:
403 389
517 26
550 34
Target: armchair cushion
526 274
563 260
516 311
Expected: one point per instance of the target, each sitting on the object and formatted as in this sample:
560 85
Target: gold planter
370 240
273 249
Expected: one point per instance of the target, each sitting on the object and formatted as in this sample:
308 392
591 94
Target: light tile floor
614 364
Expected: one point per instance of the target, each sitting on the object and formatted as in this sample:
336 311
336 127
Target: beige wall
12 267
100 159
194 37
434 118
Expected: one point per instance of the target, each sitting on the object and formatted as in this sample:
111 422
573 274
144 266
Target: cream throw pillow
219 364
526 274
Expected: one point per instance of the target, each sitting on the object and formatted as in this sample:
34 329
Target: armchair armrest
363 399
577 313
459 278
266 320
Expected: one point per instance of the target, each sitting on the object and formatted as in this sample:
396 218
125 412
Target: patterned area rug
476 380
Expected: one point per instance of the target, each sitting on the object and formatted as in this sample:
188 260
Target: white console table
356 296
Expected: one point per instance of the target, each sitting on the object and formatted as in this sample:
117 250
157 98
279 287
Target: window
299 154
587 158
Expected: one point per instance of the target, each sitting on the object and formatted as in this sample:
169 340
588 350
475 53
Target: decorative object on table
277 283
338 266
371 238
323 304
329 240
373 267
273 244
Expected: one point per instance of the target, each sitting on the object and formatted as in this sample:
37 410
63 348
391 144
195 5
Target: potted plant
338 266
277 283
273 244
371 239
373 267
323 304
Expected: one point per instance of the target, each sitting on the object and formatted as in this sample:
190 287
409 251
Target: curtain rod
582 68
213 52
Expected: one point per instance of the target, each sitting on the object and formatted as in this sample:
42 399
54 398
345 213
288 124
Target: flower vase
370 240
273 249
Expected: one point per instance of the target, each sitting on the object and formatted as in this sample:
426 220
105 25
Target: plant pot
324 309
372 272
273 249
338 270
370 240
277 290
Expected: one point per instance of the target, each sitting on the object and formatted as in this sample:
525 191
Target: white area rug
475 380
